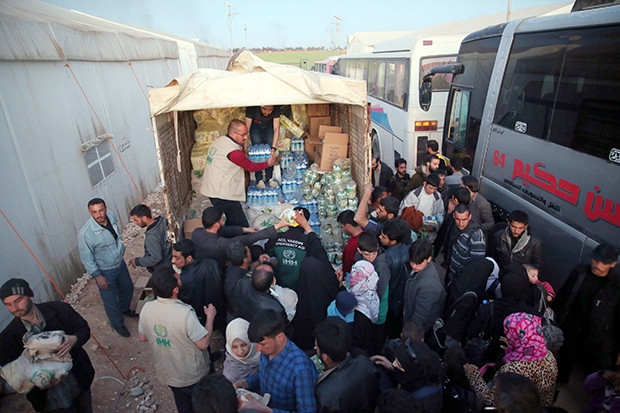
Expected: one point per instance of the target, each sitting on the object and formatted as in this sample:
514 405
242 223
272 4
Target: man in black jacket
588 309
73 391
516 244
157 247
201 282
350 381
381 172
251 294
211 242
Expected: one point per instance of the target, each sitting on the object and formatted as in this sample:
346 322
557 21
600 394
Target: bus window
376 78
441 81
458 118
587 108
463 129
564 87
397 82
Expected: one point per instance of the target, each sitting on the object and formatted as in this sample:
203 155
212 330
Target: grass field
303 58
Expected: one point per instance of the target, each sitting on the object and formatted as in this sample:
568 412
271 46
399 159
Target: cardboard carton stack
325 142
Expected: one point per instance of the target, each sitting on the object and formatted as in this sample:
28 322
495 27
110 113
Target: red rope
138 80
105 131
56 286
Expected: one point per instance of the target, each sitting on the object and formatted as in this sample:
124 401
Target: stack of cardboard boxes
325 143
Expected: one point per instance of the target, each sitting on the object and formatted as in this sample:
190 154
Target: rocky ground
125 380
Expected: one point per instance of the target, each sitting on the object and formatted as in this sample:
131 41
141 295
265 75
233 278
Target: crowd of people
436 307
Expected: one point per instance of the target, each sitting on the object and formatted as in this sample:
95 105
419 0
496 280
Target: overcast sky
304 23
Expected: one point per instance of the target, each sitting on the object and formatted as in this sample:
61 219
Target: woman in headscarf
242 358
526 354
363 285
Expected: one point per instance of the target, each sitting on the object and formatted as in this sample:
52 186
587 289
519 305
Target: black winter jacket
352 386
603 321
58 316
527 250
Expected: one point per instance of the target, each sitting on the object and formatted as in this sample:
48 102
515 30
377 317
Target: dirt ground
125 380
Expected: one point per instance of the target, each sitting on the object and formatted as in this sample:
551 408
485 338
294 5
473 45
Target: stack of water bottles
259 197
293 165
259 152
313 207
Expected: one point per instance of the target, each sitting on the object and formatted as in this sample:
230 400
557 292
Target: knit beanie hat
15 286
345 302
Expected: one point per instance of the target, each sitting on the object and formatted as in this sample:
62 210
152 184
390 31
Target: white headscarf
363 281
238 329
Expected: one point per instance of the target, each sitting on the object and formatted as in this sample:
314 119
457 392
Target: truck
248 81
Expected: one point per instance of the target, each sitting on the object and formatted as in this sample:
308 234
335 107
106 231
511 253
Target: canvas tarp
250 81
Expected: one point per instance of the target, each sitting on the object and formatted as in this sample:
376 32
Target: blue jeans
262 133
117 297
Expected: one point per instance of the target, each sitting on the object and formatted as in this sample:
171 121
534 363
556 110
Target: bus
325 65
393 71
534 106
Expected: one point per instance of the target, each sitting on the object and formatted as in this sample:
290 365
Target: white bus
393 71
536 108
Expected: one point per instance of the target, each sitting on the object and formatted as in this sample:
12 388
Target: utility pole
245 30
229 16
338 20
508 11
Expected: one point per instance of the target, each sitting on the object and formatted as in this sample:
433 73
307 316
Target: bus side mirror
426 93
426 88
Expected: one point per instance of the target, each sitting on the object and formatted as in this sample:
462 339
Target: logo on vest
211 154
289 257
162 333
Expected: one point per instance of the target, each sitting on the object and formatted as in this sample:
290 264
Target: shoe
131 314
122 330
273 183
261 184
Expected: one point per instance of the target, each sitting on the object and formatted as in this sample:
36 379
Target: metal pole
508 11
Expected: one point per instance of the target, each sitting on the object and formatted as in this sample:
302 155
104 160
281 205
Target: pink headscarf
525 339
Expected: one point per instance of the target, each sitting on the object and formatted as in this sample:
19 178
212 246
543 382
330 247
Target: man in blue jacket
101 251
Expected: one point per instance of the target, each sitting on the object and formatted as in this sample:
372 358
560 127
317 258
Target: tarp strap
176 138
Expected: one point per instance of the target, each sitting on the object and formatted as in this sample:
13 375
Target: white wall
44 183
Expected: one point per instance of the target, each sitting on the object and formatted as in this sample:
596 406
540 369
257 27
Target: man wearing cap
101 251
588 307
73 391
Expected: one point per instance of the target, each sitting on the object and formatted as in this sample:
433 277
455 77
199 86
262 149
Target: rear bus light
424 125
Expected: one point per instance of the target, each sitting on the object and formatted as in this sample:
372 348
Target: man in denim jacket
101 251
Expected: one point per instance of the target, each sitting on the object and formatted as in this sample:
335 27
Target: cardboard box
311 144
316 122
189 225
323 129
335 145
318 110
145 296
